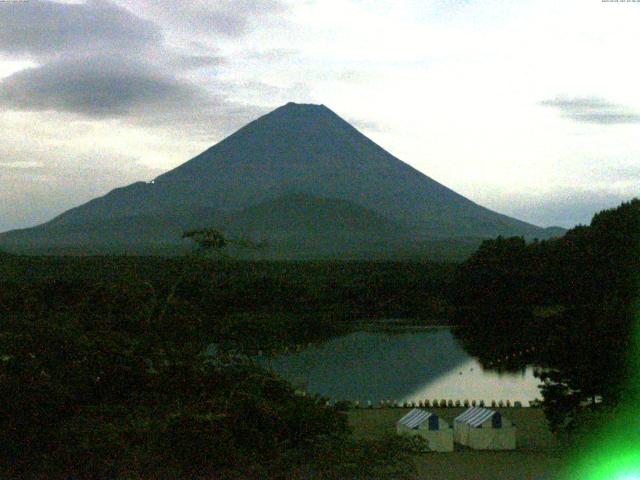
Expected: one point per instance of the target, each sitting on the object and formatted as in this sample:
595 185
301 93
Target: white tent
484 429
437 433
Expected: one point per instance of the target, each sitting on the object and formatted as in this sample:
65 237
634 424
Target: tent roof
475 416
415 417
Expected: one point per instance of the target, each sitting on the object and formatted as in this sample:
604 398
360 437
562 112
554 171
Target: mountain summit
298 158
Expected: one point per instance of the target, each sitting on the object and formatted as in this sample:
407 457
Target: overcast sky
529 107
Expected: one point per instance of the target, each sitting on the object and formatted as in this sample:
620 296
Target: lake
399 366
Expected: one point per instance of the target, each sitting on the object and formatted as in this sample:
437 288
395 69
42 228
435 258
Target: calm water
404 366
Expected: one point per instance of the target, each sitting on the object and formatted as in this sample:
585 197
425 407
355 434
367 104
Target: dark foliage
102 376
569 303
214 288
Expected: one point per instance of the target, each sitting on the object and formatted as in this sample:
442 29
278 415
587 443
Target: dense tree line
589 265
573 299
102 371
299 301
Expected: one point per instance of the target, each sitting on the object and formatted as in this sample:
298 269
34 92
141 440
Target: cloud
47 29
103 59
52 161
40 194
626 171
100 60
272 55
96 87
231 18
20 165
95 59
46 170
593 110
367 125
566 207
102 89
190 62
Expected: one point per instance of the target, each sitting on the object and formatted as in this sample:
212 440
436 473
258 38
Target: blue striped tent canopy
416 417
475 416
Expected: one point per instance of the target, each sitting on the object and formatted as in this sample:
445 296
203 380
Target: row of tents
478 428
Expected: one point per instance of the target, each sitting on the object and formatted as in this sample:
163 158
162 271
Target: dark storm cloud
47 29
96 59
106 59
97 87
593 110
101 60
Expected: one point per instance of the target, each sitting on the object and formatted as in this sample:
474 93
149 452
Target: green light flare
613 452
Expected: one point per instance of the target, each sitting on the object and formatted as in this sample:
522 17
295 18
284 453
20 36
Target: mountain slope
296 149
299 226
303 215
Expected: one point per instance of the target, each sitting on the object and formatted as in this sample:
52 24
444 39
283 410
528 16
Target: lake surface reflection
403 366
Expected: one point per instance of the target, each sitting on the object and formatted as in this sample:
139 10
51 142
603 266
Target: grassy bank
538 455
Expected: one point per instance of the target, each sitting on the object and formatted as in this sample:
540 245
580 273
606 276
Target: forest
103 372
571 302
